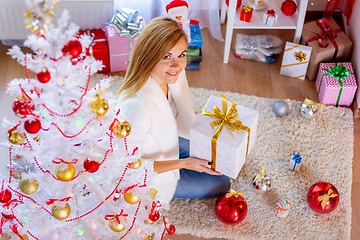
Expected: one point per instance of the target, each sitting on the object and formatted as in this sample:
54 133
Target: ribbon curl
53 200
310 103
227 118
116 216
340 73
247 9
325 198
271 12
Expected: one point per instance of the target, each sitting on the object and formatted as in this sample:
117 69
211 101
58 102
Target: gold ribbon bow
300 56
227 118
308 102
260 176
325 198
234 193
247 9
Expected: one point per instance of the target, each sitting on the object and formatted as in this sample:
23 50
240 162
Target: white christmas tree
71 174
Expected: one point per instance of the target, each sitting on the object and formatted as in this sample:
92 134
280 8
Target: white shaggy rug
326 145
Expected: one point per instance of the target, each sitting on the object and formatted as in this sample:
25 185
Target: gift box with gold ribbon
295 60
328 41
246 13
224 133
336 84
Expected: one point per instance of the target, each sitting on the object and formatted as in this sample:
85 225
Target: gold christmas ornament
16 137
131 198
136 164
28 186
25 237
61 211
115 226
33 22
121 129
153 192
98 105
65 172
147 237
15 174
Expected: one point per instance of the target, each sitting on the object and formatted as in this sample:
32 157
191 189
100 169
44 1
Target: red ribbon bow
116 216
326 35
271 12
125 190
59 161
52 200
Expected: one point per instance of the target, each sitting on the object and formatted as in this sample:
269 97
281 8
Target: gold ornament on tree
65 172
34 22
61 210
135 165
116 223
116 226
28 186
120 128
99 105
16 137
131 198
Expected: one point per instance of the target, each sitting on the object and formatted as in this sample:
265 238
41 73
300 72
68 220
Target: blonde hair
158 37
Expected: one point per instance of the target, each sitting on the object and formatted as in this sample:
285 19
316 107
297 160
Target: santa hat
176 3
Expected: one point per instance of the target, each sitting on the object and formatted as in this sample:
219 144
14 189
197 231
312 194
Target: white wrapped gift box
295 60
231 146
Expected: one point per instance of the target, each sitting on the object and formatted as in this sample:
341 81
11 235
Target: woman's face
167 70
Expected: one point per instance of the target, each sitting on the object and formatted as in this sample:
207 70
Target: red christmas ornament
22 108
154 216
238 4
230 209
32 126
91 166
288 7
323 197
44 76
5 196
171 229
73 47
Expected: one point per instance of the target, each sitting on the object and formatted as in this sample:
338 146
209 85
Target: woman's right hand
199 165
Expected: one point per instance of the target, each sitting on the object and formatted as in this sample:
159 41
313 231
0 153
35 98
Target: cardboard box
231 146
320 54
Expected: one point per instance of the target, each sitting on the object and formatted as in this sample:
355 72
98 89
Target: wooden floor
242 76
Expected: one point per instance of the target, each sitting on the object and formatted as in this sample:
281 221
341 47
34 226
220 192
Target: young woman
155 100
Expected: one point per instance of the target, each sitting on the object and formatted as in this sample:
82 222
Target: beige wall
353 32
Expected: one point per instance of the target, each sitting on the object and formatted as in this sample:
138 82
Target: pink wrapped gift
336 84
120 48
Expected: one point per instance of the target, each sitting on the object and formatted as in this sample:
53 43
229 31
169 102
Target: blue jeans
194 184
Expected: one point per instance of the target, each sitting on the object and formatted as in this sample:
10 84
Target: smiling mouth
172 73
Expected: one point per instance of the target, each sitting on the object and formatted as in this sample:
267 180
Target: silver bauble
280 108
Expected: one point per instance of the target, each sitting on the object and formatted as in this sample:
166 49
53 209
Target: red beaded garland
32 126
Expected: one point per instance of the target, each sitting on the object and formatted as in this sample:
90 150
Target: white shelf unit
296 21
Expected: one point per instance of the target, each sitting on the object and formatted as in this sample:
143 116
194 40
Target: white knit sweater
155 130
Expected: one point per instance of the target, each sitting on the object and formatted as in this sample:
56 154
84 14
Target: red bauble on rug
74 48
323 197
230 209
288 7
32 126
238 4
91 166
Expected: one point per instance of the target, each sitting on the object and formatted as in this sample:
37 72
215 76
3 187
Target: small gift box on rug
224 133
336 84
329 43
295 60
295 162
270 17
121 34
246 13
99 47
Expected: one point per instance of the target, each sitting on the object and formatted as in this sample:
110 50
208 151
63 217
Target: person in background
155 99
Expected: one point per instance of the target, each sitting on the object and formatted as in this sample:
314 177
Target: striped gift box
295 60
120 48
328 87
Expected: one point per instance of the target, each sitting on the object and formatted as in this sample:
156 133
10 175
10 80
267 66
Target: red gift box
246 13
99 47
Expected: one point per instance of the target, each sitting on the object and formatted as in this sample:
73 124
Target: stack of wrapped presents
194 55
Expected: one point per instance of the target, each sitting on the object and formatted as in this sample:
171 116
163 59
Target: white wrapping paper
231 145
291 65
